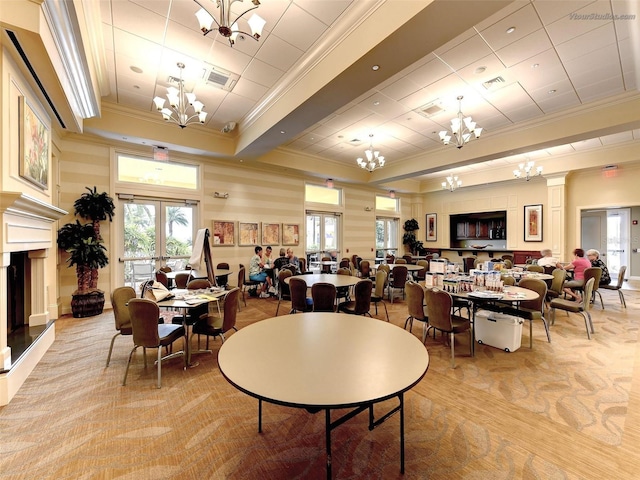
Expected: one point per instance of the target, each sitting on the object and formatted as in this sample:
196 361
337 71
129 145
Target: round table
324 361
333 278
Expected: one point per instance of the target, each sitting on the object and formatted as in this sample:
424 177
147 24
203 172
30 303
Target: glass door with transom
322 233
156 234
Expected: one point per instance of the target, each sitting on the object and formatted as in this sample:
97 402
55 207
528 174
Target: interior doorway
608 231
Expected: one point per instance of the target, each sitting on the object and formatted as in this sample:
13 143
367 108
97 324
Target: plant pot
87 304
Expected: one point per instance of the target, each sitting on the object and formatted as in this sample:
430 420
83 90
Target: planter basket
87 304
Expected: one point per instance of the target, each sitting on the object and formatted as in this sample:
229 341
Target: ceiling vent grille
493 83
430 109
220 78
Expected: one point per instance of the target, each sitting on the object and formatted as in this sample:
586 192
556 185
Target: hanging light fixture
180 102
225 27
527 170
392 194
461 129
452 183
374 159
329 183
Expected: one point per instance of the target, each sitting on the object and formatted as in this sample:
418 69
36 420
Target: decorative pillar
5 350
39 314
555 219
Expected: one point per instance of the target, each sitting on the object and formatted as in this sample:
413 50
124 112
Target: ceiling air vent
493 83
220 78
430 109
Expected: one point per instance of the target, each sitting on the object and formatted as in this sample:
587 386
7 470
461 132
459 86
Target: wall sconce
392 194
367 209
329 183
220 195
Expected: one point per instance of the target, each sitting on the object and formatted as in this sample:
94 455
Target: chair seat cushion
568 305
526 313
347 307
610 287
460 324
170 333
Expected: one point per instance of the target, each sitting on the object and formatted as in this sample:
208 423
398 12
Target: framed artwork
33 146
248 234
271 233
224 233
533 223
432 227
290 234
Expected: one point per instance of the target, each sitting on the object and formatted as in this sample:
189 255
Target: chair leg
622 300
586 323
385 310
408 321
111 348
159 367
126 371
601 302
453 350
546 328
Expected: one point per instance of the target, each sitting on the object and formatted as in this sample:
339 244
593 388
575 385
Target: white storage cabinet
498 330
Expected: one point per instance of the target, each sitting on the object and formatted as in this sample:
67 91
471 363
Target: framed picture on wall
432 227
248 234
290 234
271 233
533 223
33 146
224 233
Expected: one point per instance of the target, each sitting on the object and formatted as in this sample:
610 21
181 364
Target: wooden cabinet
481 226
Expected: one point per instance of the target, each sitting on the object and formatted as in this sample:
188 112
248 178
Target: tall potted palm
85 246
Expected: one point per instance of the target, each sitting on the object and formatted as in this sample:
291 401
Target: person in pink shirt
578 266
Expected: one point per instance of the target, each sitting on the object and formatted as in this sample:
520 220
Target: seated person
269 267
547 260
293 260
282 260
578 267
257 273
593 256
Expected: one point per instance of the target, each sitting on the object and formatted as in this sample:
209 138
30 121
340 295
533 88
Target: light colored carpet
565 410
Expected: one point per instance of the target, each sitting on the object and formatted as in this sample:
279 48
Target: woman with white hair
547 259
594 257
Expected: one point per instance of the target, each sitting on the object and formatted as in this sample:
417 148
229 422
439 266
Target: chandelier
527 170
461 129
180 101
225 27
374 159
452 183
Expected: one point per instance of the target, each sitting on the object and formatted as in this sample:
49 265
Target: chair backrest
415 299
241 276
399 277
362 292
144 315
588 288
303 265
298 289
593 272
355 260
535 268
385 268
508 280
381 283
326 268
365 269
283 288
508 257
391 259
182 279
162 278
324 297
559 276
344 271
538 286
400 261
119 299
623 270
230 309
344 263
548 269
508 264
422 273
223 265
439 304
198 284
166 269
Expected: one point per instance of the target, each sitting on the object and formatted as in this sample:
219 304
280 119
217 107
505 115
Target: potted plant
85 246
409 238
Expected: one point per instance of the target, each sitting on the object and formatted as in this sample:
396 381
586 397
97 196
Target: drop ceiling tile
326 12
127 16
262 73
525 48
299 28
383 105
551 11
483 70
587 144
137 84
134 100
539 71
430 72
575 48
577 23
466 53
233 108
402 88
560 150
252 90
600 63
598 90
558 101
500 14
278 53
524 113
188 40
524 20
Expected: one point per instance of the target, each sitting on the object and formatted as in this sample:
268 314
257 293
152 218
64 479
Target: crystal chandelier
461 129
225 27
180 102
374 159
452 183
527 170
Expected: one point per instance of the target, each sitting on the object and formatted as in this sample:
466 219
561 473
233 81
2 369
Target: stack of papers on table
489 295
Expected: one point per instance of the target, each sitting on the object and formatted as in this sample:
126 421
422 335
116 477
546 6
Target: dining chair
199 284
162 278
618 286
147 333
344 292
422 273
508 280
576 307
222 280
401 261
165 269
120 302
535 268
508 264
299 300
213 325
323 295
244 284
303 265
284 292
365 269
182 279
378 294
408 258
439 304
416 308
555 289
398 281
533 309
596 273
326 268
362 299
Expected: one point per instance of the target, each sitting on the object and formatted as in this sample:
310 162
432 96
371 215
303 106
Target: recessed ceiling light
340 136
376 103
282 132
551 92
511 29
375 68
479 70
137 87
135 69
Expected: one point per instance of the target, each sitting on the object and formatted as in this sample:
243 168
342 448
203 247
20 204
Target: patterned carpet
560 410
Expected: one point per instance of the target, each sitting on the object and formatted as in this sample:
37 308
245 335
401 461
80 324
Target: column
555 219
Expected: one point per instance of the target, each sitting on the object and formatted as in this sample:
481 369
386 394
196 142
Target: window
387 204
321 194
322 235
386 236
151 172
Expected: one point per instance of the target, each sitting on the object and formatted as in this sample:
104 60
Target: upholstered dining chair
213 325
596 273
182 279
323 295
284 292
326 268
365 269
397 281
401 261
148 334
618 286
576 307
299 300
377 296
162 278
535 268
533 309
244 284
439 304
416 307
198 284
222 280
119 300
421 274
344 292
362 299
555 289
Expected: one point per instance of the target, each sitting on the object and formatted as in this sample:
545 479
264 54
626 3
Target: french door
157 233
607 231
322 235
